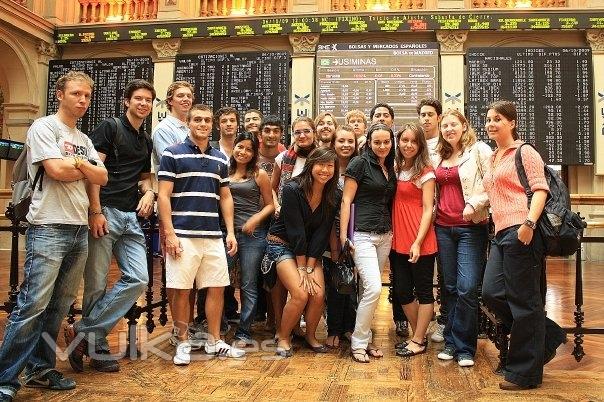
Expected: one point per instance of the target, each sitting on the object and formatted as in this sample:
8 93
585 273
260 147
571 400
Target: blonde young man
56 244
173 129
358 121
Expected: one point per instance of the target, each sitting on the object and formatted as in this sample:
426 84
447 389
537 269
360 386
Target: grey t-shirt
59 202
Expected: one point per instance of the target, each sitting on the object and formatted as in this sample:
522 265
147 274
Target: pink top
508 200
407 214
450 197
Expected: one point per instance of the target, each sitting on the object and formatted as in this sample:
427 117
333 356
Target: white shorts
203 261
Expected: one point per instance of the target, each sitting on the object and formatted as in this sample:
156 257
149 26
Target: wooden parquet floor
334 376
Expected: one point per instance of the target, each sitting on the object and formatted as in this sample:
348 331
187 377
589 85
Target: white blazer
473 164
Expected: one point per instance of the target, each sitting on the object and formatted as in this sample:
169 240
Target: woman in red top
413 241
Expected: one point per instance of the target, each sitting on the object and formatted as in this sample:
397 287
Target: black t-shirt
373 199
133 158
306 231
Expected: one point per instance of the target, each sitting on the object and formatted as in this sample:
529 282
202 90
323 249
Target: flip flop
374 351
360 355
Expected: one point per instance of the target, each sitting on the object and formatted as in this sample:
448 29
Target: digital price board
110 78
249 80
354 23
357 76
552 89
10 150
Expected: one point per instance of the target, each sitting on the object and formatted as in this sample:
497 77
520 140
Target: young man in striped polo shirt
193 186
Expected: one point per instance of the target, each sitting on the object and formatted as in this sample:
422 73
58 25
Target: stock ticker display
392 22
357 76
552 88
110 77
248 80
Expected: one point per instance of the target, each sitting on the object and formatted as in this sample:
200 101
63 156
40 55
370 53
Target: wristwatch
310 270
530 224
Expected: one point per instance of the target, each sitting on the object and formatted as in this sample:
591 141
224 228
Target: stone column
452 88
163 74
595 39
303 74
46 52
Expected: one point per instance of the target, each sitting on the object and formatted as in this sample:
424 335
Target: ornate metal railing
98 11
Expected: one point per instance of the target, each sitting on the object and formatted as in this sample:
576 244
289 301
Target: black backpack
561 228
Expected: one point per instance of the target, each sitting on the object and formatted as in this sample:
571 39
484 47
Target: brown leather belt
276 239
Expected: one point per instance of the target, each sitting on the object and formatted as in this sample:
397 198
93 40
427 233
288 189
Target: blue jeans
54 261
462 252
101 308
250 253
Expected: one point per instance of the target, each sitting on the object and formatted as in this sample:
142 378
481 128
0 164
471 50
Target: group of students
412 197
420 194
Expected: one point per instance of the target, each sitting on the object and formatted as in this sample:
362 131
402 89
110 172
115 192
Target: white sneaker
448 353
221 348
183 354
437 335
465 361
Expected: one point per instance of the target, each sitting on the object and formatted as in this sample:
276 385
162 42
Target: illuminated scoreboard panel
391 22
110 77
357 76
552 88
254 80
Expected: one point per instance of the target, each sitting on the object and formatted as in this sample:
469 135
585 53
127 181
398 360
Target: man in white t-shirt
227 122
56 245
429 111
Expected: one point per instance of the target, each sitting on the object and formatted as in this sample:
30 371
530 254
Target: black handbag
268 268
342 275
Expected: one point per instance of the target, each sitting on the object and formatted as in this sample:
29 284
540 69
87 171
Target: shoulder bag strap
522 173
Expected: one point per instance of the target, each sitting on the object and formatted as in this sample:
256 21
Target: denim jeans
250 251
462 251
341 309
55 256
370 256
103 308
512 290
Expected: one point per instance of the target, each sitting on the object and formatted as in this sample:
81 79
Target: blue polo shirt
197 178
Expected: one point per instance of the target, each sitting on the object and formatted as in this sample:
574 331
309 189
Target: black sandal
403 344
406 352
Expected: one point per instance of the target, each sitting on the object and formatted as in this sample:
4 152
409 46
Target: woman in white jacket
461 230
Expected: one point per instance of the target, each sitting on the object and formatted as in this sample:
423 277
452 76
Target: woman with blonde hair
461 230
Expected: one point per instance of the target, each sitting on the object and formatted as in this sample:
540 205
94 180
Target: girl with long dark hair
369 184
341 308
296 241
414 242
253 201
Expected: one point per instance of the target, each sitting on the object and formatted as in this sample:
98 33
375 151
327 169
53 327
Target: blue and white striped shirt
197 178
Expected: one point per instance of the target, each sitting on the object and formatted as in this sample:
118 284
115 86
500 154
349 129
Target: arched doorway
18 95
